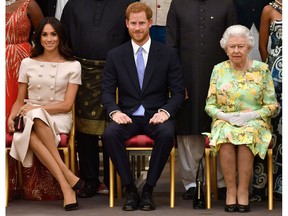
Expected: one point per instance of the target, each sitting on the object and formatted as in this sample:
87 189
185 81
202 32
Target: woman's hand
239 119
10 125
227 116
25 108
22 111
243 118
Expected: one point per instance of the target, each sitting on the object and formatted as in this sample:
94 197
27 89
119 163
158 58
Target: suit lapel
128 57
153 59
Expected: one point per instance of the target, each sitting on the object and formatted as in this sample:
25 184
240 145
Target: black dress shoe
72 206
244 208
79 185
189 194
147 202
86 191
132 202
231 208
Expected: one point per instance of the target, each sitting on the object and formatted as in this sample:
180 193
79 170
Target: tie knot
139 50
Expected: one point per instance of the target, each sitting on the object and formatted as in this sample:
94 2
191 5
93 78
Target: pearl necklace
10 2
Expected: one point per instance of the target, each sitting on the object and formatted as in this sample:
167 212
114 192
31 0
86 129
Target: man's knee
110 131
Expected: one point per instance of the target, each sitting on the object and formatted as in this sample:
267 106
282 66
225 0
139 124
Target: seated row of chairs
139 144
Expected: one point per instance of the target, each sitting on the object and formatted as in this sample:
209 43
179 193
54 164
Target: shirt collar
146 46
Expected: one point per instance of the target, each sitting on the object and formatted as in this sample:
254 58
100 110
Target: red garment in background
18 28
38 182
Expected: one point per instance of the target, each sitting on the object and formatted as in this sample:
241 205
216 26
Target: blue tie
140 70
140 66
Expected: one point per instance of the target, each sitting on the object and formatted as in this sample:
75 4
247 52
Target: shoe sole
129 209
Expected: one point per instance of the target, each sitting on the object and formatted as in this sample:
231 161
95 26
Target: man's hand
159 118
121 118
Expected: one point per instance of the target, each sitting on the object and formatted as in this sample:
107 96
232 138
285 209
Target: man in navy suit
147 108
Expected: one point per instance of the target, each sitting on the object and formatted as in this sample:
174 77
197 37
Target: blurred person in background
93 27
271 53
194 28
22 18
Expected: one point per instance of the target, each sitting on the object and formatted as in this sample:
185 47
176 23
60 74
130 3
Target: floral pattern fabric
241 91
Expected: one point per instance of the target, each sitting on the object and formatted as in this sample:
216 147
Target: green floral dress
238 91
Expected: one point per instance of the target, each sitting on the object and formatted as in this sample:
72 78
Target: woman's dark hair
63 47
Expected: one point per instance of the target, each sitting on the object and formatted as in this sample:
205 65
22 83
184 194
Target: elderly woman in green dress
241 100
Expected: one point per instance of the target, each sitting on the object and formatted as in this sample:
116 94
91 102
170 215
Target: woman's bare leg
228 165
45 134
49 162
245 169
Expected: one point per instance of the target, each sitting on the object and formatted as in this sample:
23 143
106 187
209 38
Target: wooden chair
213 173
66 145
137 144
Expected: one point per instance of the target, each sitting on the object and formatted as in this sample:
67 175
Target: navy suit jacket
162 85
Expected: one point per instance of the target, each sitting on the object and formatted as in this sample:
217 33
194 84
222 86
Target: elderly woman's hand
243 118
226 116
238 119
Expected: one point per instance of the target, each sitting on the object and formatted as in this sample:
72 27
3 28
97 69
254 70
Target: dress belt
90 62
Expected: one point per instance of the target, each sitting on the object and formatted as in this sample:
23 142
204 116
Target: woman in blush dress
50 79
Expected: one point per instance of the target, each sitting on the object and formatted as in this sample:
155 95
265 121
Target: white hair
237 31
